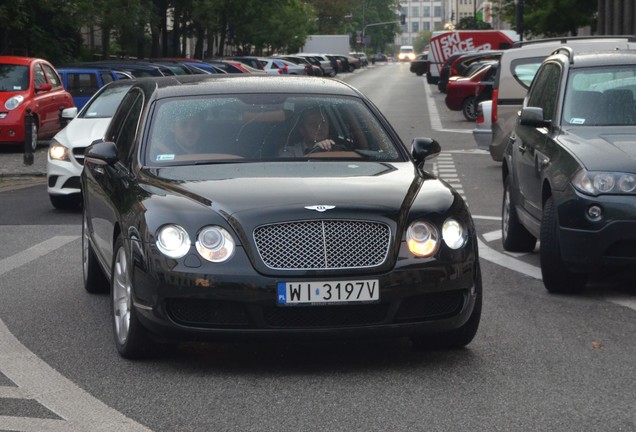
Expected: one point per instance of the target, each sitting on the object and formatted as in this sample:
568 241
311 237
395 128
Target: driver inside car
313 135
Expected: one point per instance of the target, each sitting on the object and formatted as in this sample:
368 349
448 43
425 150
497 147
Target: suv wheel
556 277
515 237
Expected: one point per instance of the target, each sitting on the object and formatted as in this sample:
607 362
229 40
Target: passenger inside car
180 136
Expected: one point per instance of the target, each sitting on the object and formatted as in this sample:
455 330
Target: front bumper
12 127
182 305
63 176
588 245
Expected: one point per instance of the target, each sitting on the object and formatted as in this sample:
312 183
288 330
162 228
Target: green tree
550 18
422 40
470 23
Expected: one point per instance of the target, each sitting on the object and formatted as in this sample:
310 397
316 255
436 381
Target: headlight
215 244
14 102
58 152
173 241
422 239
599 183
454 234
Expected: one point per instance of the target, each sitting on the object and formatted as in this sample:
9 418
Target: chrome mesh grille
323 244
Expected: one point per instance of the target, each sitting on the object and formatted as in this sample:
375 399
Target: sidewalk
12 163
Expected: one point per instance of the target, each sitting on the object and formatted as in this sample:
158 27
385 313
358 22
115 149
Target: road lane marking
37 380
34 252
436 121
509 262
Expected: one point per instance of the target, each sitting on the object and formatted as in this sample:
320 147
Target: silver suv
519 64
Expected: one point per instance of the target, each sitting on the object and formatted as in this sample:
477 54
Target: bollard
28 131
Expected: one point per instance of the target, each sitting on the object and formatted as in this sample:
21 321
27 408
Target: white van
407 53
517 68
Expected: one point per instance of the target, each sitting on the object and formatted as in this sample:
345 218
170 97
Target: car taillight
493 110
480 115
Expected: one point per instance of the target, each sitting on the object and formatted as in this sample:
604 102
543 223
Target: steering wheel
338 146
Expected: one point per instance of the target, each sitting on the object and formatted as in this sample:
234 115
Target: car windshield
13 77
242 128
104 105
601 96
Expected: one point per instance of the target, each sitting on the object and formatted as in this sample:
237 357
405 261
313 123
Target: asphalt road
540 362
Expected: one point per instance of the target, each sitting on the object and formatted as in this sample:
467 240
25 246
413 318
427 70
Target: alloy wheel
122 300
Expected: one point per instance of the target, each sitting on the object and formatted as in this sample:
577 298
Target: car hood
81 132
603 148
251 194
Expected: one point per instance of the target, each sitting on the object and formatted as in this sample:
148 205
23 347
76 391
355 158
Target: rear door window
523 70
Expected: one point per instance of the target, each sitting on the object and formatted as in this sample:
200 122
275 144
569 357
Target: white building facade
430 15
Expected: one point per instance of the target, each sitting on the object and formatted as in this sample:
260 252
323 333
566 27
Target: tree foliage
67 30
549 18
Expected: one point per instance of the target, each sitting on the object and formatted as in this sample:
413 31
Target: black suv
569 170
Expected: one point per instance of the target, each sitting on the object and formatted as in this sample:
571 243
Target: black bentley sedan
569 171
263 206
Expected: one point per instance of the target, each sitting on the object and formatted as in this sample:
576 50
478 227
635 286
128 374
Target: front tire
556 277
131 338
514 236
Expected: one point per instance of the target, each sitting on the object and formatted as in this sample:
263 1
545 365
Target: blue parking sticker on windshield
282 293
165 157
575 120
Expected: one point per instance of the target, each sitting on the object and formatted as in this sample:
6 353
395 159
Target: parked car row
560 114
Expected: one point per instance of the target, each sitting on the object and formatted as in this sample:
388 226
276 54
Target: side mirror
101 153
43 87
533 117
424 148
69 113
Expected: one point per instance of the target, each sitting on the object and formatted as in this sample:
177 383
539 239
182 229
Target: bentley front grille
323 244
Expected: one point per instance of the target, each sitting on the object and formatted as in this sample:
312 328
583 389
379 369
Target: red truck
445 43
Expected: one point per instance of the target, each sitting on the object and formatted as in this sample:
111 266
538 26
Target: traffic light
403 19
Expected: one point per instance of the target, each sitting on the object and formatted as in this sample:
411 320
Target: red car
33 83
460 91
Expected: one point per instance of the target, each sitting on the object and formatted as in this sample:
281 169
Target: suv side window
545 89
82 83
523 70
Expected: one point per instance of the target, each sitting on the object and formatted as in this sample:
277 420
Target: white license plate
293 293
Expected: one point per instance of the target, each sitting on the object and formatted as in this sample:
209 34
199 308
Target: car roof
18 60
86 69
598 58
195 85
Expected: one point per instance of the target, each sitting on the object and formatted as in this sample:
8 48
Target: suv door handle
522 148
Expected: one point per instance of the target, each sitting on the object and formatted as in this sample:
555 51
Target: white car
483 125
66 151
